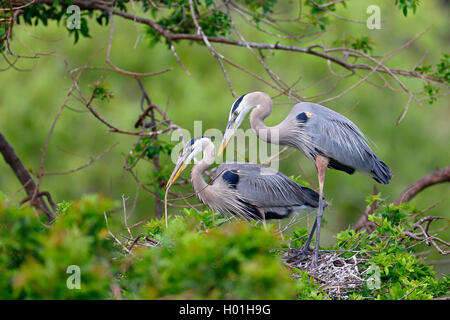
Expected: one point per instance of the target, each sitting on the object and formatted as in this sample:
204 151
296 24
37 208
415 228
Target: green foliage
102 92
231 262
406 5
3 28
403 275
307 288
22 240
316 6
83 30
318 16
207 218
259 8
364 43
319 10
43 13
178 19
440 72
149 148
199 256
298 237
443 68
431 91
298 179
34 257
217 24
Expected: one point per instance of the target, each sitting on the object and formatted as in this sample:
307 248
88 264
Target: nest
338 276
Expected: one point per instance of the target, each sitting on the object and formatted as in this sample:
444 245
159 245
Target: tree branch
106 6
363 222
437 176
24 177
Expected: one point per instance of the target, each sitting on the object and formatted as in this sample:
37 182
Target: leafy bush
231 262
199 256
402 274
34 257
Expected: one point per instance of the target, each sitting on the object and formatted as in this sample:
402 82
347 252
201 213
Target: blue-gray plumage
326 137
247 190
334 136
269 190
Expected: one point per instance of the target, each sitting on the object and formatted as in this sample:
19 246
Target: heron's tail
381 172
312 198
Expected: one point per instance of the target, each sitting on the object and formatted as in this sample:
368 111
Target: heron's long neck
268 134
198 182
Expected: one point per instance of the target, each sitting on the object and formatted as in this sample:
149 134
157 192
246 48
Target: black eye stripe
193 140
236 104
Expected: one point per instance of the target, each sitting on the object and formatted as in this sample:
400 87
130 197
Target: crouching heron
247 190
326 137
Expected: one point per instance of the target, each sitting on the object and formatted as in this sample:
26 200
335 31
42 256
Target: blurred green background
29 101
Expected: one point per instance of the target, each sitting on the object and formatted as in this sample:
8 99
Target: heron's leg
311 234
279 229
301 255
263 216
321 165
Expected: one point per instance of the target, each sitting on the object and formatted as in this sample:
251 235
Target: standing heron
326 137
247 190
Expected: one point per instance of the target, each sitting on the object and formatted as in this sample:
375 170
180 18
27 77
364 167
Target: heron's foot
315 258
300 255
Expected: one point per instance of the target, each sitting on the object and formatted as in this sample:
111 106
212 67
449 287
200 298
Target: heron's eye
235 113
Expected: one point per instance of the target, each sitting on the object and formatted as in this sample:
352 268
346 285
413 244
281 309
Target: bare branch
424 236
23 175
83 166
437 176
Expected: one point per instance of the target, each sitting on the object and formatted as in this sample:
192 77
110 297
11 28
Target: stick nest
337 276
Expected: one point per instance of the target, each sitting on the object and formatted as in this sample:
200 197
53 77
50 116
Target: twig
101 155
113 236
363 222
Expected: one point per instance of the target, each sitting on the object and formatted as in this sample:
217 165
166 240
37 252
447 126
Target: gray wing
267 189
338 138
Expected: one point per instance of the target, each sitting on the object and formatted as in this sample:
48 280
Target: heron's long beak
177 171
229 132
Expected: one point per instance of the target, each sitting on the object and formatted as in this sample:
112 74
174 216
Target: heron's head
190 150
241 107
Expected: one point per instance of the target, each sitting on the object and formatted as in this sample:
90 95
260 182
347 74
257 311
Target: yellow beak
175 175
223 145
228 134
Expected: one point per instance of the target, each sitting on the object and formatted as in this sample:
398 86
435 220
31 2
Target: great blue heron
246 190
326 137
